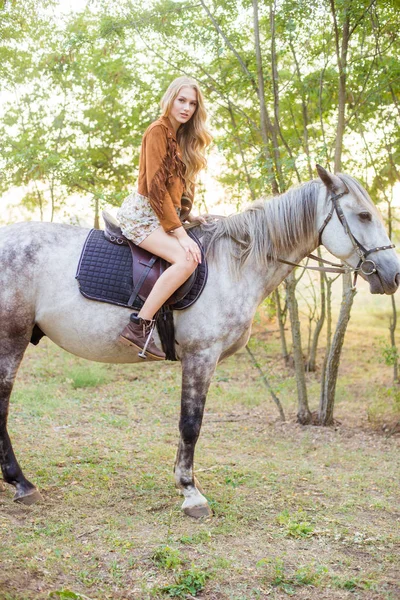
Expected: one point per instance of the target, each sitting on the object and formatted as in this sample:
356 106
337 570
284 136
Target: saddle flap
147 269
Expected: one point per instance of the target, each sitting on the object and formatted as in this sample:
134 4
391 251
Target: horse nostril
397 279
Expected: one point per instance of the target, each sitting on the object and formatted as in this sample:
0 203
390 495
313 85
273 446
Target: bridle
365 265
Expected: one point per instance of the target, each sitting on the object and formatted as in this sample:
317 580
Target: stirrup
142 354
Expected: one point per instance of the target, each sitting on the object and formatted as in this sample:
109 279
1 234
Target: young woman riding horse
172 155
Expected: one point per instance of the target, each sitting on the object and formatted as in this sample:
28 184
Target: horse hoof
198 512
31 497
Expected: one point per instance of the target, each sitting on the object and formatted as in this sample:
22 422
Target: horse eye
365 216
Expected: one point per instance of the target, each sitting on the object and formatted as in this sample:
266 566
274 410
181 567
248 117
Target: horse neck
304 204
283 228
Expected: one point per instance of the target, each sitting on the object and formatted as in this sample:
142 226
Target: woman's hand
199 219
189 245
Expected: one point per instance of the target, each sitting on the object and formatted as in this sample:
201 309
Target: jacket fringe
158 185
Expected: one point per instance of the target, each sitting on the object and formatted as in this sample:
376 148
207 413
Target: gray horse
38 286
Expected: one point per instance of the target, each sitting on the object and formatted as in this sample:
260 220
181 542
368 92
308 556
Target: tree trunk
311 364
392 329
341 57
266 125
303 414
329 283
267 384
242 154
96 214
281 323
333 361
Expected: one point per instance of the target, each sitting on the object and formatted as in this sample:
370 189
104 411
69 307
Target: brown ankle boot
139 333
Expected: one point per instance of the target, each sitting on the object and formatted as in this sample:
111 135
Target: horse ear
326 178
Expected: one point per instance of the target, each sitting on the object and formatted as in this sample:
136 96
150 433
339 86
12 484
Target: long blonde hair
193 137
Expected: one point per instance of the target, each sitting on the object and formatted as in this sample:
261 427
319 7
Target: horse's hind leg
197 371
11 352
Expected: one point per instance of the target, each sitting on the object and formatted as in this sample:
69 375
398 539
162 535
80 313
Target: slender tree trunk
96 214
303 413
267 384
242 154
40 198
341 56
329 283
281 323
52 200
333 359
328 396
266 125
304 110
311 365
392 329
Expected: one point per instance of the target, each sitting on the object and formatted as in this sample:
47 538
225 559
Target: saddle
146 268
113 269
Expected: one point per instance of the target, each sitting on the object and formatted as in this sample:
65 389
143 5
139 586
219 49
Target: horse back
27 251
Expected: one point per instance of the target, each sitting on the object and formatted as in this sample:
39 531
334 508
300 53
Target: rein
361 252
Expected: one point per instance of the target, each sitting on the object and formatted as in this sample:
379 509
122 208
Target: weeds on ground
315 575
276 575
191 581
167 558
294 526
67 595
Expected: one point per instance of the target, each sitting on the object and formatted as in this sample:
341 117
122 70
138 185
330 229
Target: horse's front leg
197 371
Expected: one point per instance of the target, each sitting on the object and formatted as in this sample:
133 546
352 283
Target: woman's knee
185 265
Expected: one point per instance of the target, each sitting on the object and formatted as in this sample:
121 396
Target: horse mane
268 228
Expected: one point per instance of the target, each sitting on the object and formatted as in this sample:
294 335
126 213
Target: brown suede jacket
162 174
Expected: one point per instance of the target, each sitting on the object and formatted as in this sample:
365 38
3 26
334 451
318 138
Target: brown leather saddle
146 267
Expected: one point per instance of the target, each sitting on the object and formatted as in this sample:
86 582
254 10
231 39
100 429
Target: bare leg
167 247
197 370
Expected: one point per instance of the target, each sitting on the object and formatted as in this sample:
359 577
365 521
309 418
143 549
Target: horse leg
11 353
197 371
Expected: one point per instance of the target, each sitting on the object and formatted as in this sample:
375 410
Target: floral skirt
136 218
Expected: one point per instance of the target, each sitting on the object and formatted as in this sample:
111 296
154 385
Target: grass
306 512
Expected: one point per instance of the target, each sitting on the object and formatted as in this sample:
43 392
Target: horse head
352 229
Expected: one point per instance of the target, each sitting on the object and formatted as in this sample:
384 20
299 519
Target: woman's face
184 106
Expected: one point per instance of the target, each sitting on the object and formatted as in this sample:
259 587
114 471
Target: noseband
365 265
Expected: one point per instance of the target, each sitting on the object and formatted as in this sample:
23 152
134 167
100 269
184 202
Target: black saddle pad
105 273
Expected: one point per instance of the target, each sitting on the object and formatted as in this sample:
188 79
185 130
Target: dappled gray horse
38 286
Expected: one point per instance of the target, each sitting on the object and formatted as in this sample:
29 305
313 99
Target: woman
172 154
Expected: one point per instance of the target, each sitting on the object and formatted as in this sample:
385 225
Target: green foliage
294 526
190 581
390 353
196 538
67 595
276 575
167 558
86 85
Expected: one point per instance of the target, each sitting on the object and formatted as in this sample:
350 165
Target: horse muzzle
379 281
